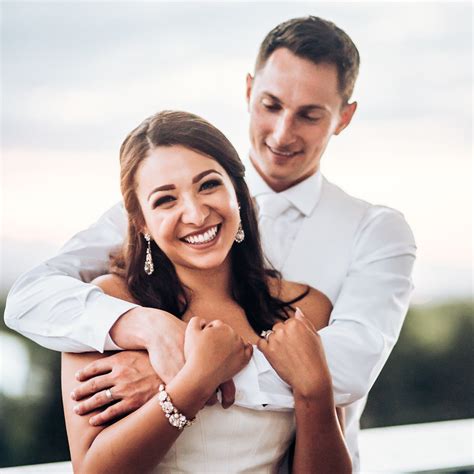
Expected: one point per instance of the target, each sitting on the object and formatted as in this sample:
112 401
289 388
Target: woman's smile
204 238
189 205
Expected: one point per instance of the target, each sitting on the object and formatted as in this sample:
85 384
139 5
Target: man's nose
284 133
194 212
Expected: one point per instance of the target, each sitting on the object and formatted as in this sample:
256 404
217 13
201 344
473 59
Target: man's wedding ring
266 334
108 394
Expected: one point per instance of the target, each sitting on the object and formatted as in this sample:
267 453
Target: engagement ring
266 334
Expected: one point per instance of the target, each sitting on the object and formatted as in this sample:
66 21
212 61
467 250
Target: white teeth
202 238
282 153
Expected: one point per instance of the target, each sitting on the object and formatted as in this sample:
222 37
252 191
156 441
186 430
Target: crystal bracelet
176 419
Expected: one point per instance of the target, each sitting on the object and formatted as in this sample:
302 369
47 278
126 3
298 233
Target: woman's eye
163 200
212 183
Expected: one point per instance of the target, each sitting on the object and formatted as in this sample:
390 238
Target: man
361 256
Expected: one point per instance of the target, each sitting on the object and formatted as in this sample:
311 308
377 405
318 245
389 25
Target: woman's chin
209 261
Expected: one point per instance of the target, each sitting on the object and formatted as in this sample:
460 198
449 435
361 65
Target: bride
193 250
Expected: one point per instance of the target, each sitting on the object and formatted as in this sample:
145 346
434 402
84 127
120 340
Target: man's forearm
355 356
371 306
62 313
54 305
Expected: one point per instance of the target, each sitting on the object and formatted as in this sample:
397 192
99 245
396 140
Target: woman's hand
295 351
214 350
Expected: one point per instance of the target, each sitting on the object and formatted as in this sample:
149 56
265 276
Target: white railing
426 447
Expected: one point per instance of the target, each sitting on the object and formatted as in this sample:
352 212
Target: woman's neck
212 284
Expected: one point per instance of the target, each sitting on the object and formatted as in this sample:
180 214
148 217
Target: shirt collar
304 196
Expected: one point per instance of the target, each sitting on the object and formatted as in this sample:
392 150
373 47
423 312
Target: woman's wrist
307 396
189 391
307 390
320 408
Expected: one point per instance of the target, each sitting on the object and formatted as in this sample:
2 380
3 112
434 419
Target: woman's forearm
320 446
139 441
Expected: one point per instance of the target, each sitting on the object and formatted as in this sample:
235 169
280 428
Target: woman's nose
194 212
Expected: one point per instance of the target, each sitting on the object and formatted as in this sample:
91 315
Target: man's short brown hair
319 41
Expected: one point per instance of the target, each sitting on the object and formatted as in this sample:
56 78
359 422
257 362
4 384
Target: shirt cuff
101 314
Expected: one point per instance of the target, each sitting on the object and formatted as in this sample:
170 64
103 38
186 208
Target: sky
77 76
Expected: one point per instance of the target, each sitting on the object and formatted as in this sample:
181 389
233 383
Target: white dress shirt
360 255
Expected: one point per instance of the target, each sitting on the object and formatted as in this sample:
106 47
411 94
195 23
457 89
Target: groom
360 255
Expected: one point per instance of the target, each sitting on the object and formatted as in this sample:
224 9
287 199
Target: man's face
295 107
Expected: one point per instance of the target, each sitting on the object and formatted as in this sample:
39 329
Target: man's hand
158 332
128 375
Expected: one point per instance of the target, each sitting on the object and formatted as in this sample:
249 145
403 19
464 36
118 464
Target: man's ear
248 89
347 113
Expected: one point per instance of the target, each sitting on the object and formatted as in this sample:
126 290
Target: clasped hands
215 352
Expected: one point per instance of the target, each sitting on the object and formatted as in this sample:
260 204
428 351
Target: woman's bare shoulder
114 285
314 304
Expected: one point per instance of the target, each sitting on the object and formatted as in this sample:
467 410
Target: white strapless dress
252 436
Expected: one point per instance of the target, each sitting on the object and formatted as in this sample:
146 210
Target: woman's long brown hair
163 288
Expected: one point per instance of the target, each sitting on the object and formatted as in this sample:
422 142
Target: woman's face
189 205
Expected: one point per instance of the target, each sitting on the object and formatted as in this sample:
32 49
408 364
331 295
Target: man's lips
283 152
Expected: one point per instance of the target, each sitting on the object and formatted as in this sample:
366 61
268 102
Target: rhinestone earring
240 235
149 267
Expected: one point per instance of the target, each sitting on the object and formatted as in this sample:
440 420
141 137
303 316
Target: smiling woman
193 248
180 178
197 211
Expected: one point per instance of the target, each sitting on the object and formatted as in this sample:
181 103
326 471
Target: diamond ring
266 334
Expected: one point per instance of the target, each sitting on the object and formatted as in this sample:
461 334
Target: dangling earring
149 267
240 235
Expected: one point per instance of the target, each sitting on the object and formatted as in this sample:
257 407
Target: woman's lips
203 238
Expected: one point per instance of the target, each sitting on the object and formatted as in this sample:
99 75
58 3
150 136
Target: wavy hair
163 289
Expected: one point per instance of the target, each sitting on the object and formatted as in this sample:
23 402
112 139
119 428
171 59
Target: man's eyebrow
168 187
311 107
303 108
273 97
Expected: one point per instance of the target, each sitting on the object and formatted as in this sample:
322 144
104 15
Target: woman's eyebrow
165 187
168 187
201 175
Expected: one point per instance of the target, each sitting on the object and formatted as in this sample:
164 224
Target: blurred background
76 77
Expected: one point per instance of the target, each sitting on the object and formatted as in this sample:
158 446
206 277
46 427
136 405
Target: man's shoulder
367 210
378 221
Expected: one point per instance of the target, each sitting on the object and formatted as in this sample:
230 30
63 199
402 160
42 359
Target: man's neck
278 185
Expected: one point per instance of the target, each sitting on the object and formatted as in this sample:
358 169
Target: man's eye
163 200
271 105
309 118
212 183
